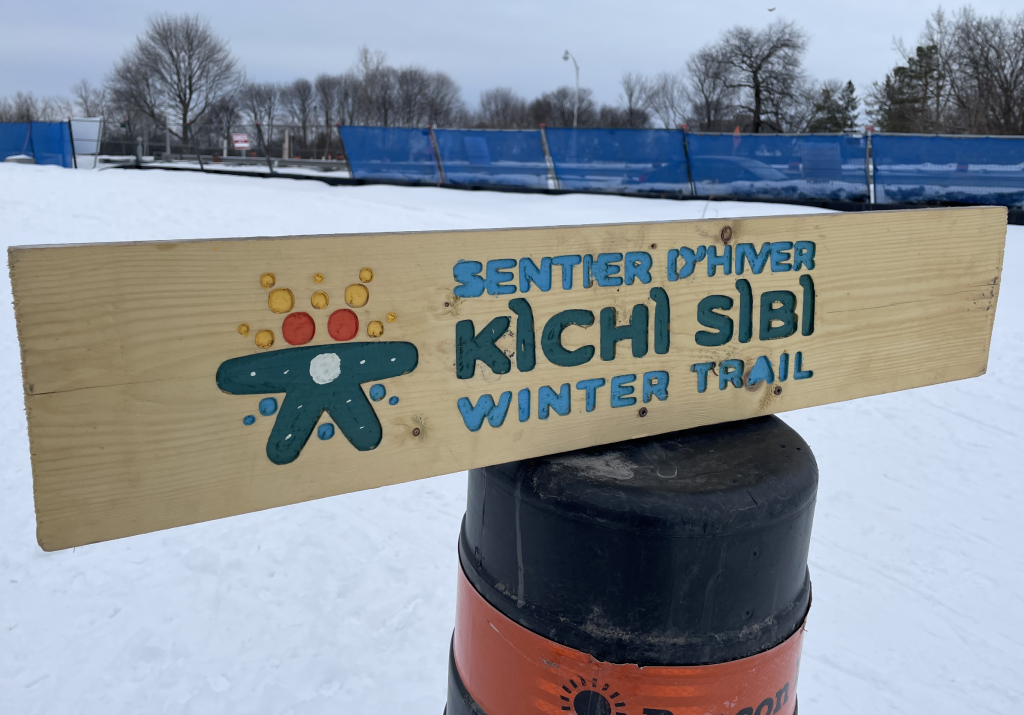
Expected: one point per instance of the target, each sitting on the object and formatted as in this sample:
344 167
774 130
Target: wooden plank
130 352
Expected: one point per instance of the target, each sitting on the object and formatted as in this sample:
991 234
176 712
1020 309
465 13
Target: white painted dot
252 374
325 368
361 362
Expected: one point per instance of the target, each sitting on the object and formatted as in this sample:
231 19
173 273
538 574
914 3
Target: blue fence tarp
934 169
492 157
619 160
779 166
390 153
46 142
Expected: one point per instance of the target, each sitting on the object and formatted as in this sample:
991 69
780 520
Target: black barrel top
686 548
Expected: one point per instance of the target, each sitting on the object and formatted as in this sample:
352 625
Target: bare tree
612 117
346 94
981 62
91 101
669 99
297 104
411 96
26 107
411 88
501 108
55 109
222 115
555 109
712 97
376 103
176 72
444 105
764 66
325 90
635 100
260 103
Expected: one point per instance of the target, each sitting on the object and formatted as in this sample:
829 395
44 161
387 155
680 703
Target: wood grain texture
121 343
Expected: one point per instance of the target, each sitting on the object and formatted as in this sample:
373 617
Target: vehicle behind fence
780 166
861 168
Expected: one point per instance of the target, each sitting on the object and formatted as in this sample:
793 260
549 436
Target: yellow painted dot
356 295
375 329
318 277
267 280
366 275
281 300
264 338
319 300
243 329
392 317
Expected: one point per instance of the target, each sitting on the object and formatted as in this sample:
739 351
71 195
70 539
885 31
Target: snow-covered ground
346 605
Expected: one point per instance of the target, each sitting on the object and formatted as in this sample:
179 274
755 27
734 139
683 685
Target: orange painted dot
366 275
319 300
356 295
392 317
343 325
264 338
318 277
375 329
281 300
298 329
243 329
267 280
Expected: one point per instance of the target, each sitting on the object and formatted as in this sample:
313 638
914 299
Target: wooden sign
169 383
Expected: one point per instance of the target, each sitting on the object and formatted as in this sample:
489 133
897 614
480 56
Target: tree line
965 75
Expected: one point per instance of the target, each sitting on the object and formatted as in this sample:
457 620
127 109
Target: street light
576 102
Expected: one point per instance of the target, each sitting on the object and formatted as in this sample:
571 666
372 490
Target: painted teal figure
316 379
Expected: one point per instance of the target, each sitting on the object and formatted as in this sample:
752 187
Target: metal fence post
437 154
344 151
28 140
686 156
553 182
71 138
869 168
99 143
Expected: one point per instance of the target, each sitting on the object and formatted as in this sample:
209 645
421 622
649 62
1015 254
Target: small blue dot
325 431
248 420
393 401
377 392
268 406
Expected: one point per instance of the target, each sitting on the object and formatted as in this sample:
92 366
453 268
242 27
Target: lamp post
576 101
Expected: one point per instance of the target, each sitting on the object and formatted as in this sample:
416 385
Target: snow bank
347 604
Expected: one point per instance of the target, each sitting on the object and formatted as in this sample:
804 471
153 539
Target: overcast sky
516 43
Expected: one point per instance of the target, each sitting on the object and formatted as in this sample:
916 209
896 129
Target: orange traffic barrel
661 576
